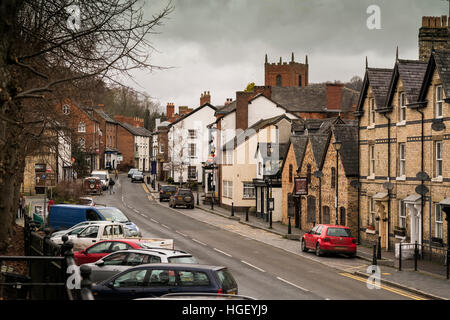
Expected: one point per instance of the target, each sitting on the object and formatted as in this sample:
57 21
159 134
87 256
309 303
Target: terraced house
403 116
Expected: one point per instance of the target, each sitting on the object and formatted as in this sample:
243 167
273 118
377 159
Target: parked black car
165 192
157 279
183 197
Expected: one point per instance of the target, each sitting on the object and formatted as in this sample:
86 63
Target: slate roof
348 136
233 143
412 73
298 144
226 109
319 146
311 98
136 131
378 79
105 116
439 59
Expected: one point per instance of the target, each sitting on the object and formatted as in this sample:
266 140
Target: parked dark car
165 192
157 279
92 185
183 197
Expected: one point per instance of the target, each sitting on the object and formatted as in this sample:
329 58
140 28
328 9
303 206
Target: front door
262 202
298 209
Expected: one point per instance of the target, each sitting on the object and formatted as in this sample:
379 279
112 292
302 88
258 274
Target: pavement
429 281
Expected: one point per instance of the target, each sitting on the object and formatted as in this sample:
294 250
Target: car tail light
354 240
220 291
326 239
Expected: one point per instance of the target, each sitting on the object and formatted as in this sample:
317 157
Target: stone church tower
283 74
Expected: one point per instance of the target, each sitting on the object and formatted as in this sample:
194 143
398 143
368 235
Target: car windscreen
168 188
226 279
113 214
185 193
339 232
100 176
182 259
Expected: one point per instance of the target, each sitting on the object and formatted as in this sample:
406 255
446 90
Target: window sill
371 177
401 123
437 179
401 178
370 231
372 126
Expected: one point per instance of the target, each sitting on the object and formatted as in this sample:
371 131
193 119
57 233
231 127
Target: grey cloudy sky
219 45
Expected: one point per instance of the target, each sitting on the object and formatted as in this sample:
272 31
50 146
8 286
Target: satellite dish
421 175
388 185
422 189
318 174
438 126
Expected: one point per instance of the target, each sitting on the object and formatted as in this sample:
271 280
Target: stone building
331 198
403 138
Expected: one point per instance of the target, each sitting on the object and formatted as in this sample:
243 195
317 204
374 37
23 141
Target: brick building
403 141
108 138
284 74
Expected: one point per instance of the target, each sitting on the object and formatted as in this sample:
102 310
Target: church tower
284 74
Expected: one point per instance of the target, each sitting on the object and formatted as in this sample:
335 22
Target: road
257 259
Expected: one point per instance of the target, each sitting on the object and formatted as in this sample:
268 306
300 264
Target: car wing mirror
110 285
100 263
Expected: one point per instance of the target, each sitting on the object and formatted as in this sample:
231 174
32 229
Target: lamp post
337 146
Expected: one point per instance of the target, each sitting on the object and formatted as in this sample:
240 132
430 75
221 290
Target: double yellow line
144 186
397 291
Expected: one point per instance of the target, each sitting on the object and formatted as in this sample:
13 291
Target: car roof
173 253
334 226
190 266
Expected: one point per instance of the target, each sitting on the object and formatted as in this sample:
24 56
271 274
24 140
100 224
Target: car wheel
304 248
351 255
318 250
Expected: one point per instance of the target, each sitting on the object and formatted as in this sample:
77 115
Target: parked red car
327 238
105 247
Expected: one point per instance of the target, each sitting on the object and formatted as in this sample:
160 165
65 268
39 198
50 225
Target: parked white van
103 175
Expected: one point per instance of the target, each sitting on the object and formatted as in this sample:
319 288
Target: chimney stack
334 96
205 98
170 110
101 107
229 100
434 33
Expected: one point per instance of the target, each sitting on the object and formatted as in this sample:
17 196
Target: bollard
197 198
86 283
448 262
415 256
212 202
289 226
400 256
270 219
246 214
232 209
374 255
379 248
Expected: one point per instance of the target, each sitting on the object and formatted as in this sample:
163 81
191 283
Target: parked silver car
121 260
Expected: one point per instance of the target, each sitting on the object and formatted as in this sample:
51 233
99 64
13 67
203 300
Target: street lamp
337 146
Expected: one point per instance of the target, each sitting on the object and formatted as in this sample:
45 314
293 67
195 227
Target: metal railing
423 257
47 270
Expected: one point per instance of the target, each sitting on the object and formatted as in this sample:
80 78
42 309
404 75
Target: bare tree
48 51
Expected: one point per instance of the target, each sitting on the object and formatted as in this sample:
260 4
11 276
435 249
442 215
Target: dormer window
81 127
402 104
66 109
439 102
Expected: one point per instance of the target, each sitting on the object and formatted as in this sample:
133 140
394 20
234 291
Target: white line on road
253 266
184 235
135 210
222 252
199 241
165 226
154 220
144 215
301 288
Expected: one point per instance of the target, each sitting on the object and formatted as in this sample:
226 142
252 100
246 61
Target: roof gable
348 136
378 79
440 60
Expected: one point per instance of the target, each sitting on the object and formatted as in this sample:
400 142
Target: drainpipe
422 169
320 200
389 179
359 183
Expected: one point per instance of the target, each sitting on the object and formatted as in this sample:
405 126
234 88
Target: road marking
253 266
222 252
165 226
397 291
144 215
292 284
150 197
154 220
198 241
184 235
145 188
135 210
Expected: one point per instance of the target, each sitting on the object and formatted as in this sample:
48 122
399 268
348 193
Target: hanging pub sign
300 186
